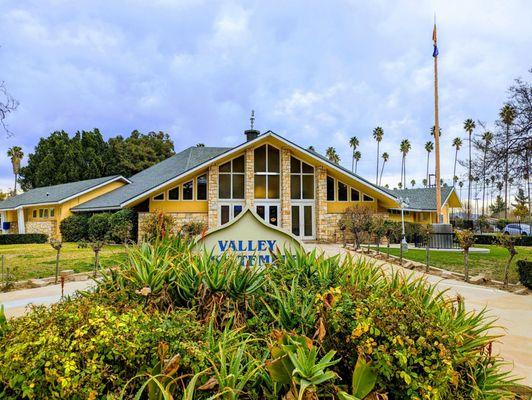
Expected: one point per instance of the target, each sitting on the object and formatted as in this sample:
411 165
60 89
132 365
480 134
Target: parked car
517 229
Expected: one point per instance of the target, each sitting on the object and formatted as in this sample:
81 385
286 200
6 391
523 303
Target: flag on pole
435 42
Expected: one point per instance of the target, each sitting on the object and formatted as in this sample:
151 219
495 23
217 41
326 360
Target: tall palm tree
311 148
433 129
16 154
507 116
487 137
400 185
425 182
353 143
332 155
461 185
413 182
429 146
385 158
404 148
357 156
378 133
457 144
469 126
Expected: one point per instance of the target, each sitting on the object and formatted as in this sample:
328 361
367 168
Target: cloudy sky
316 72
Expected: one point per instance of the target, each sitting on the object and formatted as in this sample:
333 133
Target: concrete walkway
513 312
15 302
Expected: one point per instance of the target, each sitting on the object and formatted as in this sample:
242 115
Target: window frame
301 174
364 195
351 195
206 187
178 187
183 190
327 189
347 191
231 173
267 174
154 198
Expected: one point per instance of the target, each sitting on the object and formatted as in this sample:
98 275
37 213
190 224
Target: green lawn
28 261
492 264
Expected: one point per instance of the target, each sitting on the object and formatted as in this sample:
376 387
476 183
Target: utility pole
436 126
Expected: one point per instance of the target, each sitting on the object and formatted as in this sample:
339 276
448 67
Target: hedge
492 239
25 238
74 228
524 267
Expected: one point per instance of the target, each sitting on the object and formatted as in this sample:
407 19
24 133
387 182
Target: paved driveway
514 313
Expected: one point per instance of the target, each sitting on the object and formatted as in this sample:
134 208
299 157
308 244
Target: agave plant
296 364
362 383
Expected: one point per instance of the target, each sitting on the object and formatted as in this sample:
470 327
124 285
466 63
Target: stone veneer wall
249 178
46 227
286 203
322 220
212 186
180 219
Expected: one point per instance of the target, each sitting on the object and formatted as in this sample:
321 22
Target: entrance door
303 221
229 211
268 212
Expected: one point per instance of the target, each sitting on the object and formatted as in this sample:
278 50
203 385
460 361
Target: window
52 212
188 190
342 191
231 179
367 198
159 197
41 213
34 213
201 187
301 180
45 212
330 189
355 195
173 194
267 167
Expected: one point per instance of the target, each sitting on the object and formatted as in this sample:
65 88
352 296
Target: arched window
267 169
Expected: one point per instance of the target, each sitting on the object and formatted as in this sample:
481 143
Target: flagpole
437 132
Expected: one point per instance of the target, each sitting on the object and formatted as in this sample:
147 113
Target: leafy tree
60 158
466 239
353 143
508 242
16 154
378 133
357 220
498 207
8 104
521 204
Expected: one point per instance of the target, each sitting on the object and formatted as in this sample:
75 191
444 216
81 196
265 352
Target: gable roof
57 193
422 198
153 177
187 161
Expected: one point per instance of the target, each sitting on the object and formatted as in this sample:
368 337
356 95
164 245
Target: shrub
155 226
74 228
98 227
82 349
122 225
524 267
25 238
193 228
492 240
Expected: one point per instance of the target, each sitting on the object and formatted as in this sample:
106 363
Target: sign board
249 237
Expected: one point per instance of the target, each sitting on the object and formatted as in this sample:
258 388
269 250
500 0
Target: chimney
252 134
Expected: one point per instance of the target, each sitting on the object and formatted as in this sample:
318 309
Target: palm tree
353 143
433 129
469 126
385 157
429 146
16 155
413 182
311 148
404 148
332 155
487 137
457 144
425 182
461 185
507 116
378 133
357 155
400 185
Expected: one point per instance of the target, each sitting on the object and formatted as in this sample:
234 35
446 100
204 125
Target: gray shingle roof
152 177
421 198
53 194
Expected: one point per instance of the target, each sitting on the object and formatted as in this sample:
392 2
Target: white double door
269 212
303 221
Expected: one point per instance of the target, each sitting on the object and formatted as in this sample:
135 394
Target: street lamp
404 203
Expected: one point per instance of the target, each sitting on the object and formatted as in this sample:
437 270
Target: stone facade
249 178
322 220
212 219
46 227
179 219
286 209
